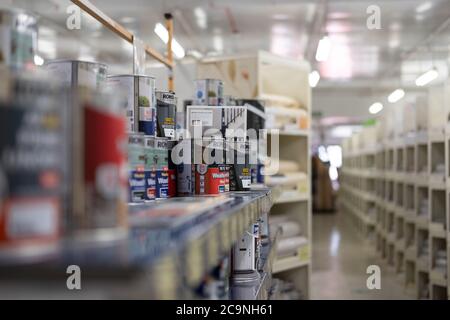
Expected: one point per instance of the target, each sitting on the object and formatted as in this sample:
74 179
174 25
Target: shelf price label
303 253
212 242
165 278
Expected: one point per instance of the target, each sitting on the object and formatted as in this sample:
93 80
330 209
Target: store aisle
339 263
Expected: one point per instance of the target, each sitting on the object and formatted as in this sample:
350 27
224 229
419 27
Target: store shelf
290 263
291 196
171 244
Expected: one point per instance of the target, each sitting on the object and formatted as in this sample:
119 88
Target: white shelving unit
288 109
412 189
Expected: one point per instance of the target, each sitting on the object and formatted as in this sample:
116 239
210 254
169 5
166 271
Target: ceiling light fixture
424 7
200 16
323 49
396 95
163 34
427 77
375 108
314 78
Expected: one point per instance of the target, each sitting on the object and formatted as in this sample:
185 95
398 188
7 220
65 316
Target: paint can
150 168
208 92
166 109
213 175
240 171
136 170
18 39
98 164
78 74
172 171
32 163
162 168
140 103
212 179
185 167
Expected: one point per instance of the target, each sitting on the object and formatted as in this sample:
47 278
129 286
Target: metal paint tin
99 164
150 168
208 92
213 175
240 171
166 109
136 163
212 179
76 73
186 169
18 38
32 164
140 101
162 167
172 171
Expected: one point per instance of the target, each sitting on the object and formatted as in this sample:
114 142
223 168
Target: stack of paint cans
18 39
185 167
139 108
162 167
208 92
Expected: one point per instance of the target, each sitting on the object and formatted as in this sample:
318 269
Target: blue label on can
147 120
162 184
150 185
260 173
136 181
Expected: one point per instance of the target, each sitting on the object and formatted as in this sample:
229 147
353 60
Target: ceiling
364 65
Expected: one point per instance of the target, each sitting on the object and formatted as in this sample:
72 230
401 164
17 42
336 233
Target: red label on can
211 180
172 192
104 161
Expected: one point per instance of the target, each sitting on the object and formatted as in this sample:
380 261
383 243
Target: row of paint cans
166 103
208 92
172 171
150 176
18 39
32 162
139 101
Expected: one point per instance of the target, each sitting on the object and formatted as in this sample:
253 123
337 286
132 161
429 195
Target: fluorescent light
424 7
314 78
195 54
396 95
323 49
200 16
426 78
375 108
218 43
38 60
163 34
178 49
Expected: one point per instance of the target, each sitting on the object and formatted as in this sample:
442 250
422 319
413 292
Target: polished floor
339 263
